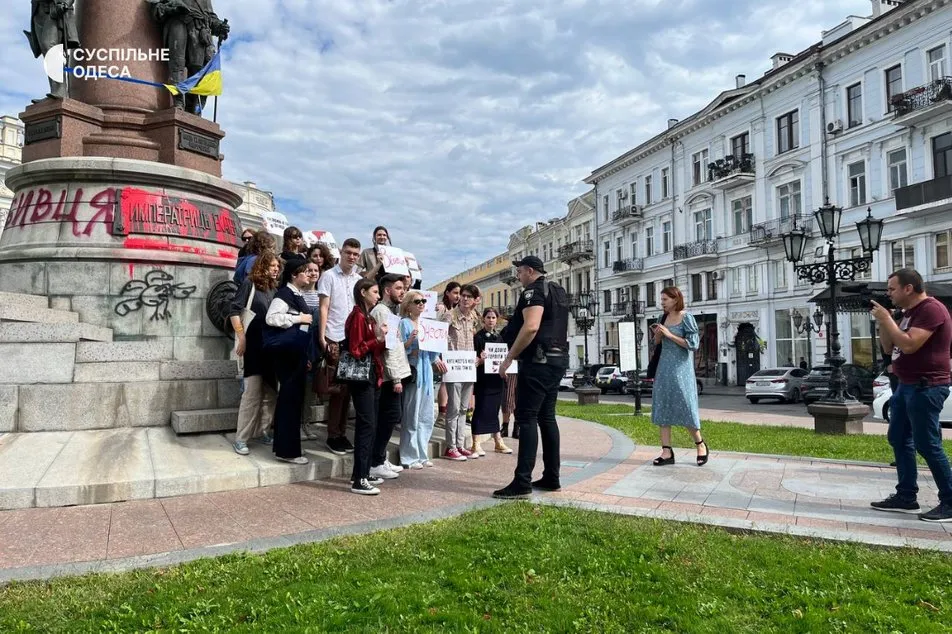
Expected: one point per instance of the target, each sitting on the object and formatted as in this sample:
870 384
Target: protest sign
393 332
433 335
431 301
495 355
416 273
322 237
394 260
460 366
626 346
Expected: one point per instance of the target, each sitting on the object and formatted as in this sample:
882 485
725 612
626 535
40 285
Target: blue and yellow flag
205 82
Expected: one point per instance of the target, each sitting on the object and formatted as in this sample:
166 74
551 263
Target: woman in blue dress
674 395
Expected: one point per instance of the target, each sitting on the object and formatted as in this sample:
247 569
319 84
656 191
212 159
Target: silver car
778 383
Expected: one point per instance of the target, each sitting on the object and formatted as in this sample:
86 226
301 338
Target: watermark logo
97 63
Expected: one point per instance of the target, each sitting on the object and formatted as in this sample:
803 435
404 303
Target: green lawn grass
517 567
724 436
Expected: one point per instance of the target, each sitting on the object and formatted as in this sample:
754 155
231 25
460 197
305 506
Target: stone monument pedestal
838 418
588 395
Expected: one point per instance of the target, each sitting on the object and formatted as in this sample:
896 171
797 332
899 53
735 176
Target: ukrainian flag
205 82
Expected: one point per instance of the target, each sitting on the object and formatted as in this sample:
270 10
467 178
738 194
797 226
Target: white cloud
455 122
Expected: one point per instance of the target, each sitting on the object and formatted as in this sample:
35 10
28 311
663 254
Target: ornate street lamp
584 311
803 326
828 218
637 309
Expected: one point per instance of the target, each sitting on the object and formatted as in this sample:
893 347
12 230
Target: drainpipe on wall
823 150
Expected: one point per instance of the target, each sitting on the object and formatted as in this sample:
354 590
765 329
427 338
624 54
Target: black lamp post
584 311
637 309
828 219
805 326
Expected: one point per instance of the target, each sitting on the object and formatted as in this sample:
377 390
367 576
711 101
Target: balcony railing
620 308
770 231
695 249
731 170
631 264
922 97
924 193
509 277
578 250
627 213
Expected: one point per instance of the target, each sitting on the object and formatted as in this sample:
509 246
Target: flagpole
215 108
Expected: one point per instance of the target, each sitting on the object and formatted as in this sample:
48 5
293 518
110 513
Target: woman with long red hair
674 394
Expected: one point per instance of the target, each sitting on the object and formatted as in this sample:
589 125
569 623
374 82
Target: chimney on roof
740 81
672 123
882 6
779 59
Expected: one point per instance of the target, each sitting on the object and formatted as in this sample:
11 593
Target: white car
880 383
881 407
566 382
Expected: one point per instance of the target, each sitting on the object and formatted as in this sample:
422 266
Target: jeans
417 426
292 372
914 425
389 413
366 399
536 394
256 411
456 405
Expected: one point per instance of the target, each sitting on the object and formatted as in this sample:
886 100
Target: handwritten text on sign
460 366
394 260
433 335
495 355
431 300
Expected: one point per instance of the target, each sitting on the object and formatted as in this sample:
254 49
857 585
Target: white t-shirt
340 289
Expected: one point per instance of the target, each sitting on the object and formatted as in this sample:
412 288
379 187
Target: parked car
647 384
610 379
880 383
859 383
881 408
782 384
567 381
579 377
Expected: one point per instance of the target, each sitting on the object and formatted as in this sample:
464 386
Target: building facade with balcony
863 117
567 249
11 152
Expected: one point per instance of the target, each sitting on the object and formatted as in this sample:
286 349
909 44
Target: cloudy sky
455 122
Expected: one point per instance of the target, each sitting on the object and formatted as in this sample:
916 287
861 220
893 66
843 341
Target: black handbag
655 355
350 368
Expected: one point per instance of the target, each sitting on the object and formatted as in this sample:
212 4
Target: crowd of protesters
312 329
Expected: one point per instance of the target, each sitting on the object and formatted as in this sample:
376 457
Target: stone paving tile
24 532
77 533
918 533
257 516
717 511
642 503
874 530
199 522
812 522
140 527
680 507
775 518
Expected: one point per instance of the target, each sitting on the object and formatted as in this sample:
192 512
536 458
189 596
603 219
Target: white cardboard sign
416 273
460 366
393 332
431 301
323 237
394 260
495 355
433 335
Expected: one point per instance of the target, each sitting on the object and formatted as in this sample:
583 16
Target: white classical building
863 117
11 151
566 247
257 209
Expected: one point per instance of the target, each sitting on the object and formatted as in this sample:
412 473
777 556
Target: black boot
504 430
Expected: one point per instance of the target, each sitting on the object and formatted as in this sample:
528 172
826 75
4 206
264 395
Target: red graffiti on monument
157 213
40 206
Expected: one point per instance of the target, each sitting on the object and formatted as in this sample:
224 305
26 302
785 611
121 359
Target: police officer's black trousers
536 394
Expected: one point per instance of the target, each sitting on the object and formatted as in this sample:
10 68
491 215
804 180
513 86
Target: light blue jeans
417 425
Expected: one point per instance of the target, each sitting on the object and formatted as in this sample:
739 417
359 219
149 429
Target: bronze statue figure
52 22
188 31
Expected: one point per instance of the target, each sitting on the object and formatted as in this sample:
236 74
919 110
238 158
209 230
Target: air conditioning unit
833 127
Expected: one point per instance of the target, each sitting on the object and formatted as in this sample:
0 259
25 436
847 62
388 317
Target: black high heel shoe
661 460
702 460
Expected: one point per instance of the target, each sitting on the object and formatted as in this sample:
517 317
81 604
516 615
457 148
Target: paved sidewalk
601 470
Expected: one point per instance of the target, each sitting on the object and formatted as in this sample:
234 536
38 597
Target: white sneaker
298 460
382 471
392 467
362 487
416 466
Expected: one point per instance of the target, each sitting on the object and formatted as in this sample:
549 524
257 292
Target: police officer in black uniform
537 335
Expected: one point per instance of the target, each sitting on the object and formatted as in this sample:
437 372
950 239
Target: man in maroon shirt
921 349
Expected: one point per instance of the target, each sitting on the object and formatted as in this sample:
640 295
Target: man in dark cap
537 336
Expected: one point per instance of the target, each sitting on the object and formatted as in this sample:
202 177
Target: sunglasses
245 238
419 302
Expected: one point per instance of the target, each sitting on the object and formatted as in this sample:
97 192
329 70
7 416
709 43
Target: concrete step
29 363
209 369
22 299
26 332
19 312
158 349
205 420
52 469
